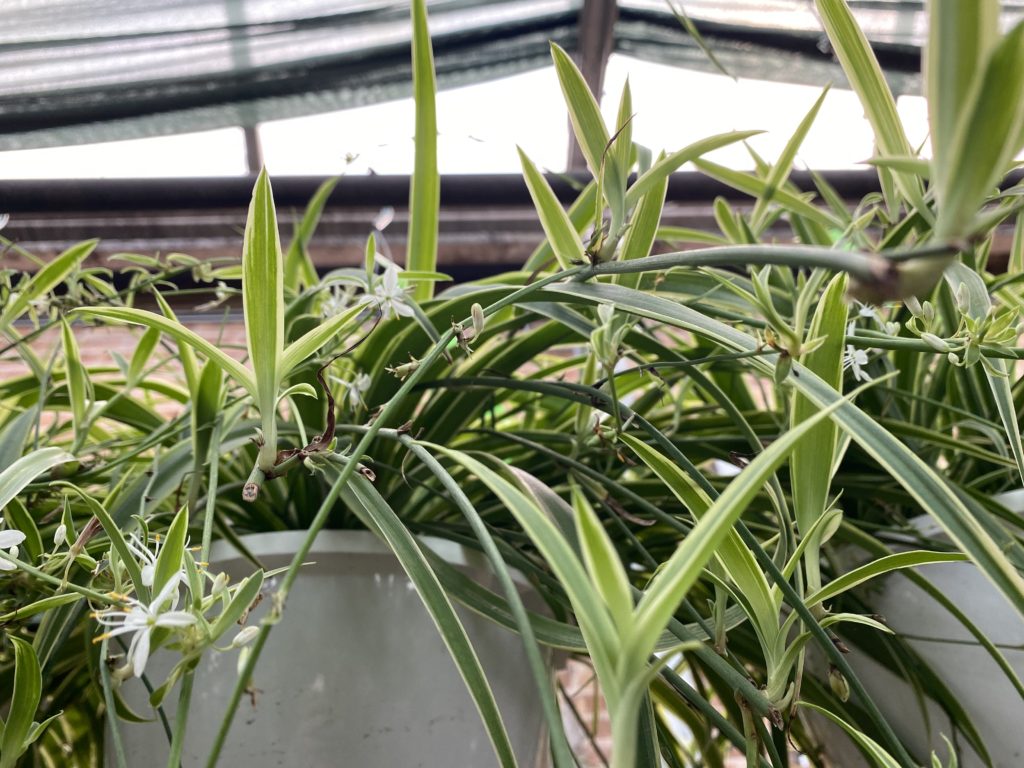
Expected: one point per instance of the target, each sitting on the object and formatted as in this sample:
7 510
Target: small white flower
146 558
220 583
388 295
10 540
141 619
60 535
339 297
220 295
353 390
866 310
856 360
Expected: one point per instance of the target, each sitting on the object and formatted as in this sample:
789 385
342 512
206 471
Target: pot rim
354 543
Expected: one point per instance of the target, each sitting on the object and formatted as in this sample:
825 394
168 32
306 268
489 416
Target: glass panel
209 153
675 107
479 127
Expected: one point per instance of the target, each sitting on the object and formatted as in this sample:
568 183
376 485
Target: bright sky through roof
480 126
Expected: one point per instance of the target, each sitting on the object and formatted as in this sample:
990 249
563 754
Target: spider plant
666 445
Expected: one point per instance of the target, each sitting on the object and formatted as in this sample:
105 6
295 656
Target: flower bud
838 683
934 342
246 636
60 535
962 299
220 583
477 313
243 657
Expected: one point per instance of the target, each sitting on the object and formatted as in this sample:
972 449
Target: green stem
92 594
559 745
868 268
625 717
344 476
211 493
181 720
108 698
868 340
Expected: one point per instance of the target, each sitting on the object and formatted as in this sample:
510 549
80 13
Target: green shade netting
82 71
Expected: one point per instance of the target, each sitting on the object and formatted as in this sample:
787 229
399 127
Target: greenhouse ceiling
86 71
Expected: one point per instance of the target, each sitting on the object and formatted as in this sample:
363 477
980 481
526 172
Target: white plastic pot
976 681
355 675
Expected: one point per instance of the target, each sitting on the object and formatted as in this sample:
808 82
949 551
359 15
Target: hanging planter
973 677
356 675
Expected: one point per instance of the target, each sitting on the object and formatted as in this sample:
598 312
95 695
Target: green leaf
666 165
169 560
365 501
688 235
302 348
865 75
755 187
243 598
880 758
921 482
602 561
961 35
618 159
591 614
179 332
186 354
14 434
779 173
44 280
263 299
643 227
811 466
26 469
39 728
28 683
565 240
298 266
425 184
302 388
581 212
987 137
78 383
978 305
413 276
19 519
117 540
914 166
681 570
734 556
584 112
41 606
140 357
879 567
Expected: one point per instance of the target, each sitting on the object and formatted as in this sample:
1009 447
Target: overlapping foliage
672 448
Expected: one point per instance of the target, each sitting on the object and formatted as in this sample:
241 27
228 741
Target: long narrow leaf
922 482
263 293
179 332
425 184
45 279
28 685
26 469
565 240
365 500
584 113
